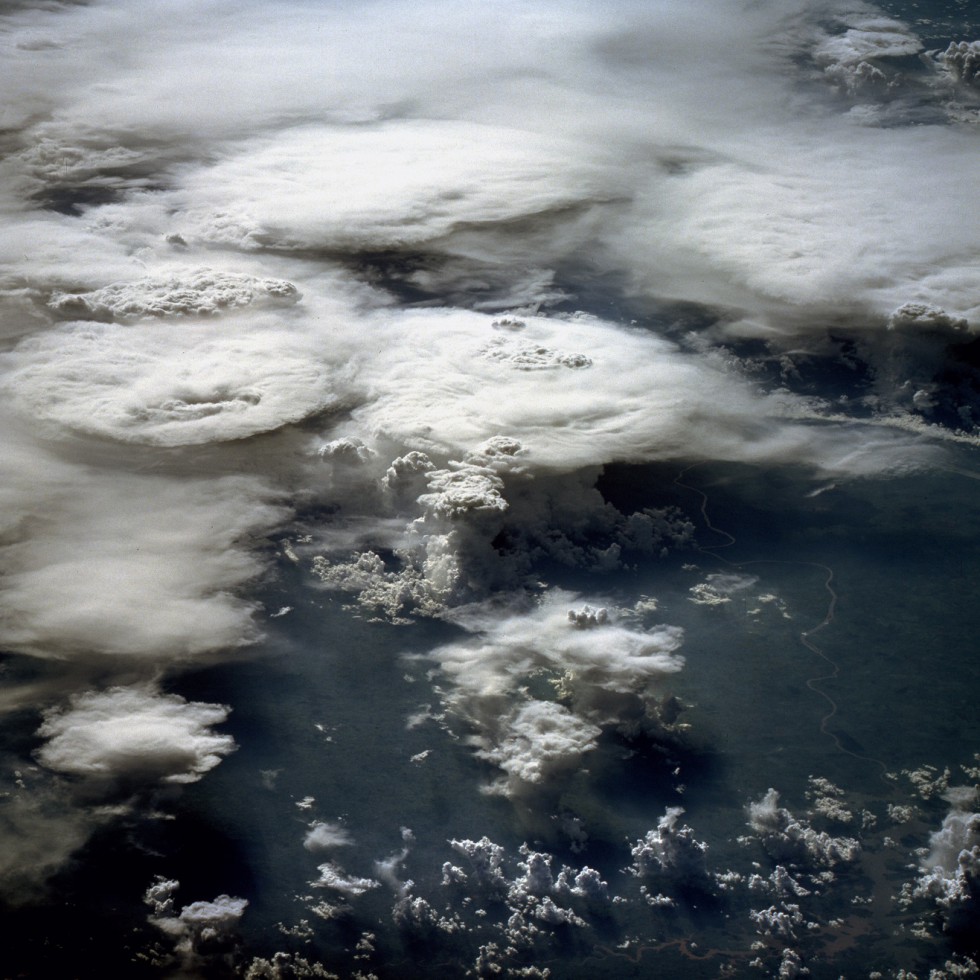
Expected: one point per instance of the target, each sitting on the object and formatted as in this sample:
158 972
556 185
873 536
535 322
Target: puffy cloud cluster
786 837
460 491
531 357
921 364
868 59
856 59
603 675
134 733
484 522
445 555
537 740
286 966
962 58
199 292
718 588
671 851
779 920
921 317
535 897
199 927
951 869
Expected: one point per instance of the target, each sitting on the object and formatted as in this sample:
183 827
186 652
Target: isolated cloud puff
324 836
134 733
334 877
921 317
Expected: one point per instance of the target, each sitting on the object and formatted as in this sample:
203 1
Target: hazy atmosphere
489 489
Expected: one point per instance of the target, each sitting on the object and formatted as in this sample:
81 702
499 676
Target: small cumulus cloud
323 836
786 837
334 877
671 850
199 929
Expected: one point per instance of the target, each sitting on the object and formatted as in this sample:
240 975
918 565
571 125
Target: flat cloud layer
726 188
381 185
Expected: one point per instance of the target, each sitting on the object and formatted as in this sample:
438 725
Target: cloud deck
424 325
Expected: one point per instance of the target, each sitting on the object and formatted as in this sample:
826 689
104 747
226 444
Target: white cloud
727 188
485 523
136 565
197 924
378 185
175 385
198 292
951 869
786 837
536 740
334 877
962 58
134 733
605 673
925 318
497 158
868 38
509 643
670 850
641 399
323 836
